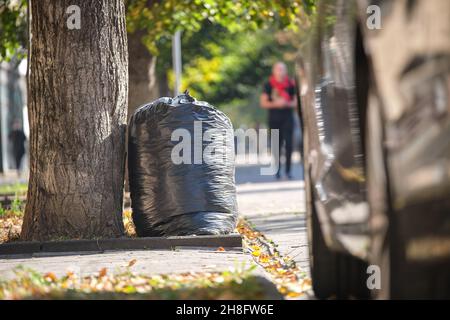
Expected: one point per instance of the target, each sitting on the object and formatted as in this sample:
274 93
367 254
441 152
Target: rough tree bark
78 87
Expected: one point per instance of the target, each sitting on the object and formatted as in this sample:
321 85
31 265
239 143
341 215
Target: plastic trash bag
176 189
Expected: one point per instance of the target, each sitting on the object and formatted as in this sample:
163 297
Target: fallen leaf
50 276
293 294
132 262
256 253
264 258
102 272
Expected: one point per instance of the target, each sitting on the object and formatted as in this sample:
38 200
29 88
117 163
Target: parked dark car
375 110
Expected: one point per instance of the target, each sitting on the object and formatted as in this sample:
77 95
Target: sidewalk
147 262
11 177
275 208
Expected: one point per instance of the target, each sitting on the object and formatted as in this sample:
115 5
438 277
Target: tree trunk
164 90
78 86
143 84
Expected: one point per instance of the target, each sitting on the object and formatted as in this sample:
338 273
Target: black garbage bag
181 184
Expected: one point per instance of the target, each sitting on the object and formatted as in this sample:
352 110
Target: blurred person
17 138
279 98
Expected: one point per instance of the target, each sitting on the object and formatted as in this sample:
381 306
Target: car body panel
329 109
409 59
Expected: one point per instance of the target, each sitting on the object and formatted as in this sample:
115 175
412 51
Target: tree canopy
228 46
162 18
13 29
227 69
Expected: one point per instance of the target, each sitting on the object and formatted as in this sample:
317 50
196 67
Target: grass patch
16 188
11 219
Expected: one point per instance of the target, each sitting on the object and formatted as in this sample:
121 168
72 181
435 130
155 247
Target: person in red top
279 98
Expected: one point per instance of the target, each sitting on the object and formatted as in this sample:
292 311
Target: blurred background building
13 108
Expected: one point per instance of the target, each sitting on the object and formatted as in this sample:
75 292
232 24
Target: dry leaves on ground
236 283
10 227
289 279
128 223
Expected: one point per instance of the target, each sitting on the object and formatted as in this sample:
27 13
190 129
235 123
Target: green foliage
17 206
238 62
163 18
227 59
13 29
228 46
228 69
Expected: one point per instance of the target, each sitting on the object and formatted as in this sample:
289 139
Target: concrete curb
226 241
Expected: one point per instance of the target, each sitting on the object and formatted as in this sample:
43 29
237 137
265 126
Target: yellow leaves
289 279
256 253
188 285
50 276
129 289
128 224
292 294
220 249
255 250
264 258
283 290
280 271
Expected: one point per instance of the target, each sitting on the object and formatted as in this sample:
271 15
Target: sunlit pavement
11 177
276 208
150 262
